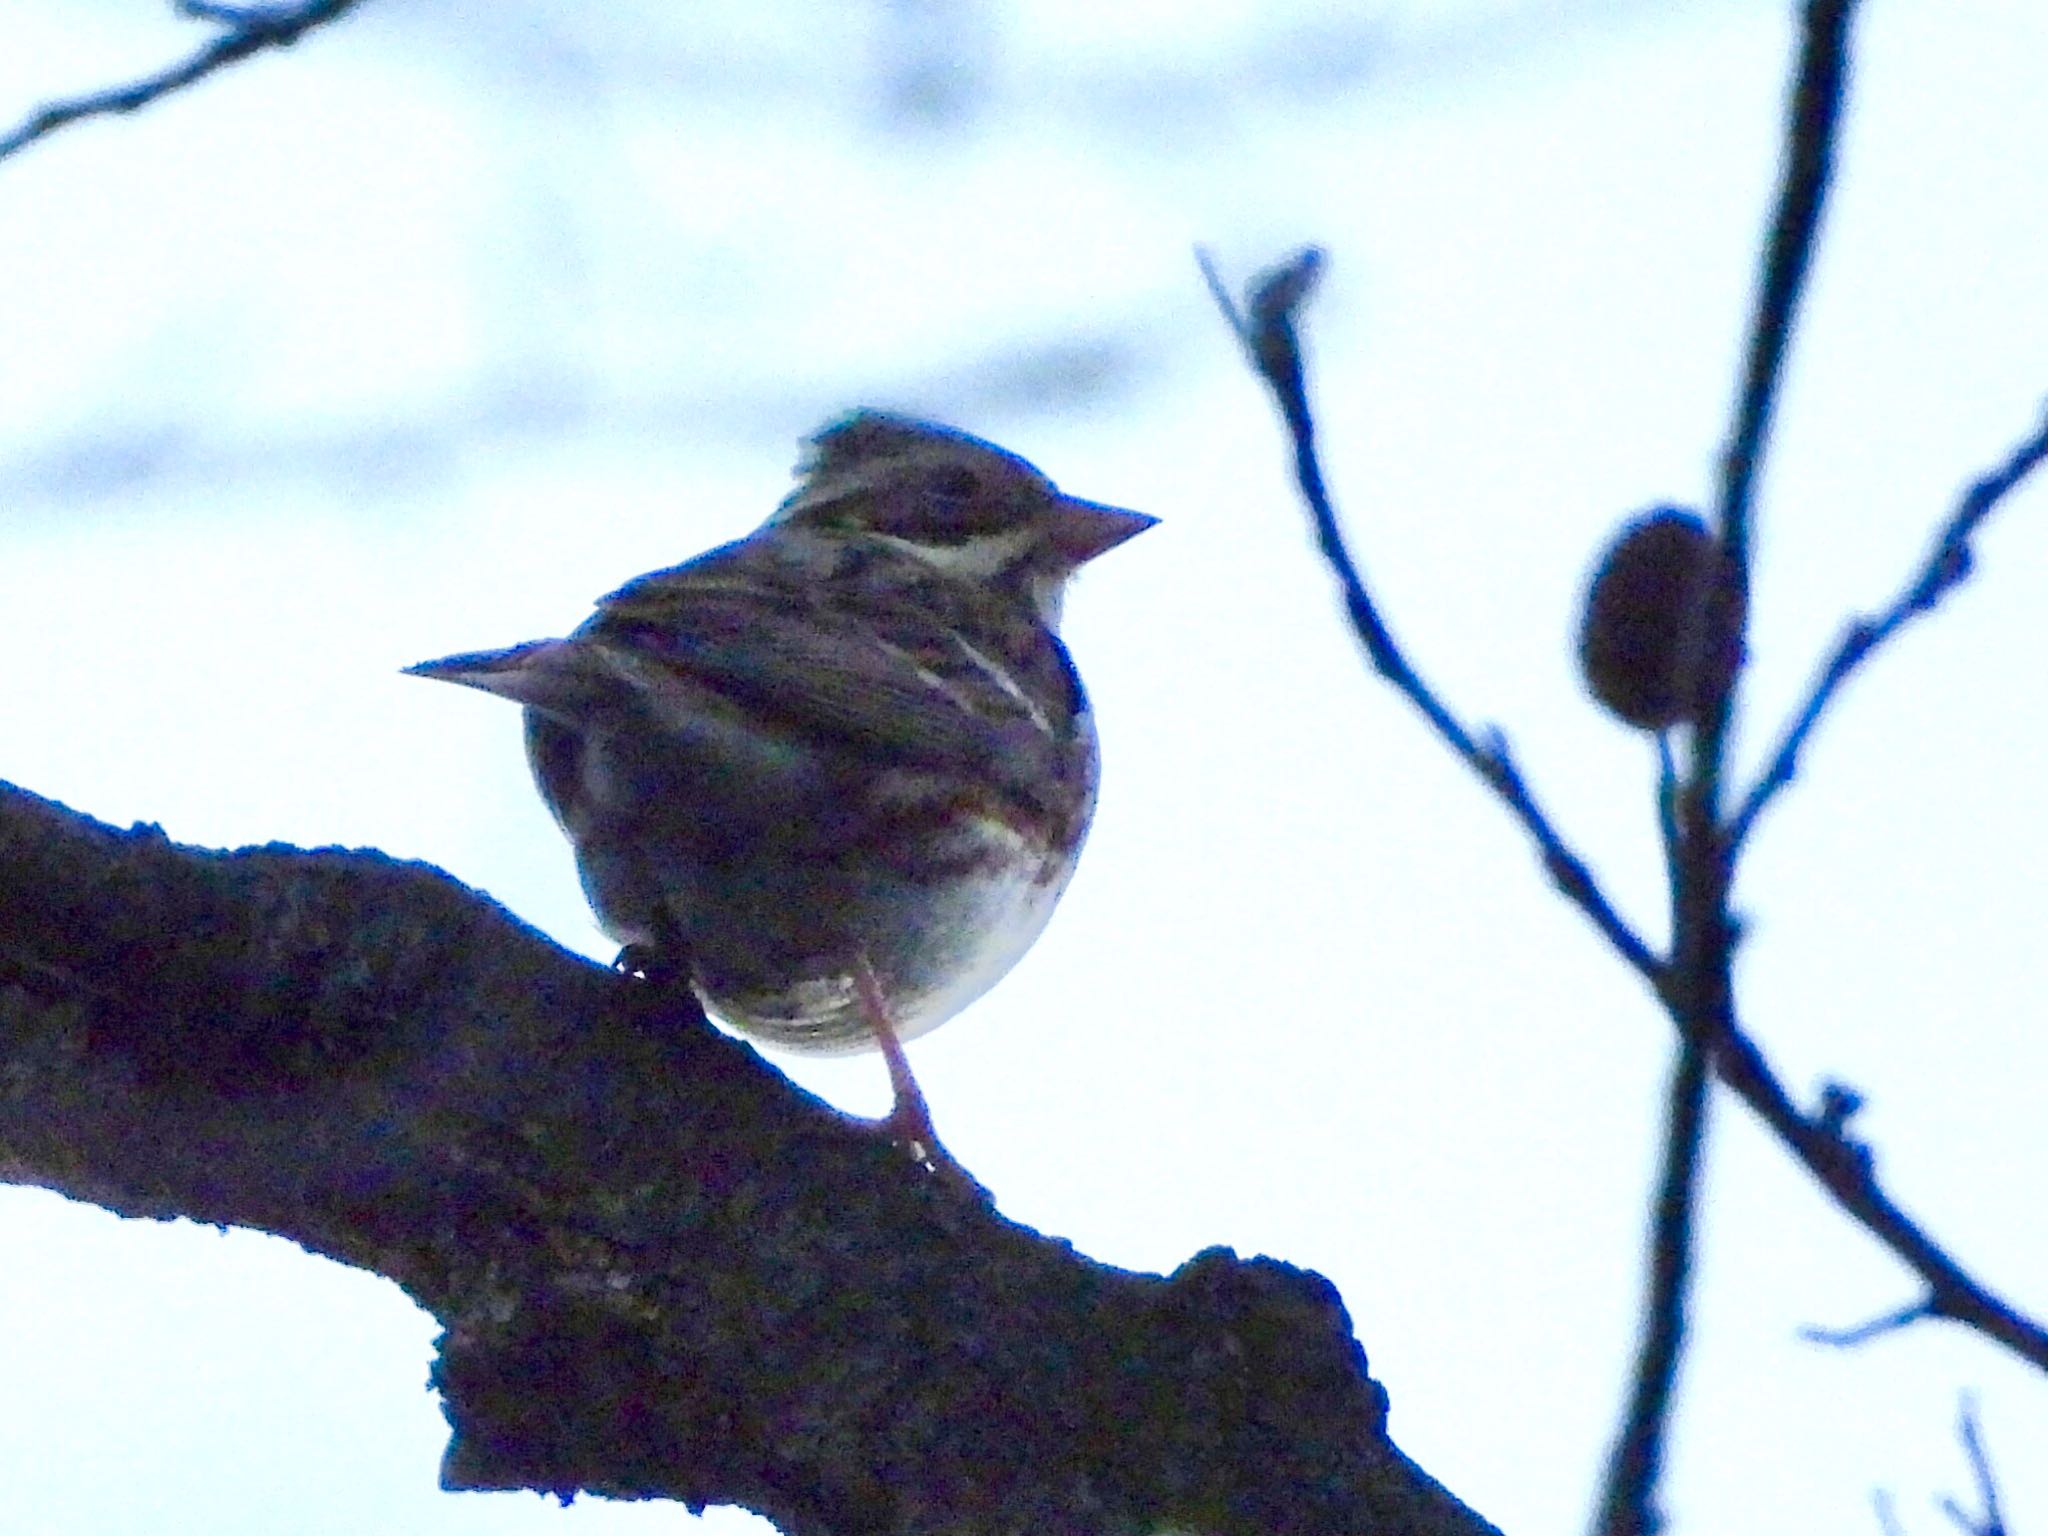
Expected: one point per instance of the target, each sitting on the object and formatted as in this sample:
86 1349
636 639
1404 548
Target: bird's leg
909 1121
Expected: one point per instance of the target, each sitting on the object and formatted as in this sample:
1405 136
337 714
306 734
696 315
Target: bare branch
1815 115
1703 940
1667 809
1845 1168
1948 564
1267 329
1840 1164
1695 988
1702 999
1862 1333
1699 981
245 30
1635 1466
1992 1521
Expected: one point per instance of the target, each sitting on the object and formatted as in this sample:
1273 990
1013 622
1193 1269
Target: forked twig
1947 566
1699 993
1695 986
245 29
1838 1162
1992 1521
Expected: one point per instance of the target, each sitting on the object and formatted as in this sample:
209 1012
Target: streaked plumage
849 738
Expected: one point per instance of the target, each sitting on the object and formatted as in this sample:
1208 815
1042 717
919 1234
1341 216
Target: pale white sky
419 337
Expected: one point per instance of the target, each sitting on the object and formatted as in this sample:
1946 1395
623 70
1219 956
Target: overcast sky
420 336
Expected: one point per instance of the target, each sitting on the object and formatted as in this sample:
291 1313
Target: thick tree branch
662 1271
245 30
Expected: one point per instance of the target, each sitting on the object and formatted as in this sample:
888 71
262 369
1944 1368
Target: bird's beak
1081 530
526 674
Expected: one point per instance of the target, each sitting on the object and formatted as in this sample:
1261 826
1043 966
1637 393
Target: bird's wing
888 665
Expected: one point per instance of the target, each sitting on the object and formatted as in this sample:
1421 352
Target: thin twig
1841 1165
1699 993
1992 1523
1702 938
1696 988
1636 1463
1948 564
1875 1328
246 29
1266 327
1845 1168
1809 164
1667 814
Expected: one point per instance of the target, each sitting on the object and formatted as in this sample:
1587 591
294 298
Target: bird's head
959 503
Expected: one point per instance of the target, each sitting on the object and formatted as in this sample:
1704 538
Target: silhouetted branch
1845 1168
1667 812
1699 983
1695 985
1862 1333
1840 1164
1948 565
1815 115
661 1270
1266 327
245 29
1992 1521
1635 1466
1704 944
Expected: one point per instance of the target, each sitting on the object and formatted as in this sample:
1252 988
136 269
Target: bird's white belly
934 951
988 922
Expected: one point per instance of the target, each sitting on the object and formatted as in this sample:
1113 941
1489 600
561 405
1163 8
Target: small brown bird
839 771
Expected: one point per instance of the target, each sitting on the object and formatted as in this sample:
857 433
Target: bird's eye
951 504
954 488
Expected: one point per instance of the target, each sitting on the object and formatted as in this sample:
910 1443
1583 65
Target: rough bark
661 1270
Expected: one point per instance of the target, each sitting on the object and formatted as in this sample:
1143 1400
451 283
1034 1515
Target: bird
837 773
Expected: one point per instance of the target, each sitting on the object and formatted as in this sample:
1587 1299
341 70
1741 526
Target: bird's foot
908 1125
662 996
652 962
